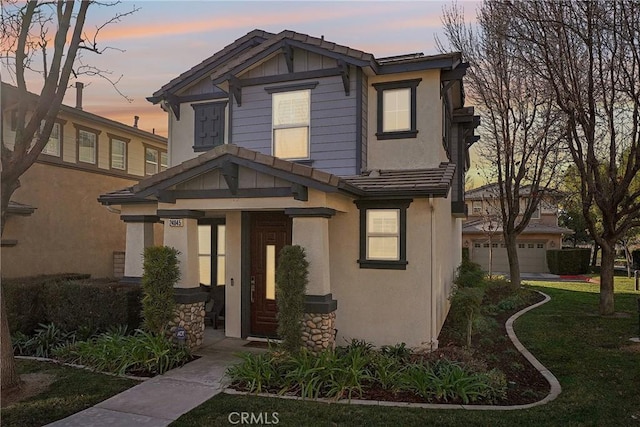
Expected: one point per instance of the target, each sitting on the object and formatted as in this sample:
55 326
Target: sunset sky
166 38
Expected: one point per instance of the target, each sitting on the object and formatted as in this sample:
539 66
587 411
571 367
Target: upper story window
291 114
396 112
477 207
87 145
118 153
155 161
383 231
209 125
53 147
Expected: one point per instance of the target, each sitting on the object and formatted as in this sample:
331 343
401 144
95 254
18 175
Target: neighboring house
290 139
482 231
54 224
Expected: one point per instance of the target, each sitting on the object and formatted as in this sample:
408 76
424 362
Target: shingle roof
480 227
257 36
433 182
420 183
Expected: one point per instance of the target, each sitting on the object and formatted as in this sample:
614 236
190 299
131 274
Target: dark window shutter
209 125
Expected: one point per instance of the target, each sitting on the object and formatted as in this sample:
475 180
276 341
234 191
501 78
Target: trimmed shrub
465 254
568 261
291 284
161 273
469 274
70 304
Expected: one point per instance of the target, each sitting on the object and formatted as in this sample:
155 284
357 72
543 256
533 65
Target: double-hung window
118 154
154 161
87 146
291 116
53 145
396 115
383 234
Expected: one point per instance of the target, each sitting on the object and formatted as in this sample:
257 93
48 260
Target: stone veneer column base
190 316
319 331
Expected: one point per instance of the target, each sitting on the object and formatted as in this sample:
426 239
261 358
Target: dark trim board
310 212
180 213
140 218
291 87
282 78
322 304
245 260
412 85
358 121
170 196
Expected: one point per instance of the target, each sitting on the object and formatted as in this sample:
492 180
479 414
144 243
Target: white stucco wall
382 306
424 151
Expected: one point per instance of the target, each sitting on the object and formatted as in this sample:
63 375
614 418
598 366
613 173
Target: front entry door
270 232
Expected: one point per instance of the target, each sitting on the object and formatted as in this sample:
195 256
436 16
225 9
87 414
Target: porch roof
376 184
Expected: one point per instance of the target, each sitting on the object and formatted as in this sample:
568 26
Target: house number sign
175 222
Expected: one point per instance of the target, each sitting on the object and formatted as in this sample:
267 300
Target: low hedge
569 261
70 304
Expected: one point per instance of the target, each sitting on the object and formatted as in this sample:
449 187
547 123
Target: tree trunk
594 257
514 264
9 376
606 279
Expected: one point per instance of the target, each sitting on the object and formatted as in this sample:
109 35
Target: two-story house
291 139
54 225
482 231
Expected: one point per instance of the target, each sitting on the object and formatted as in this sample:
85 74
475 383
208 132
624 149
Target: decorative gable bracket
288 56
344 72
448 78
174 104
235 89
230 174
300 192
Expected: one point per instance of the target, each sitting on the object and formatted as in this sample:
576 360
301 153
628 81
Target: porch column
311 231
139 236
181 233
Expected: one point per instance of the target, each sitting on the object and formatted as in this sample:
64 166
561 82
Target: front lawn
592 357
70 390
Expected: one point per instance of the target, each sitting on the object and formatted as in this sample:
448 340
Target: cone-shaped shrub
291 285
161 273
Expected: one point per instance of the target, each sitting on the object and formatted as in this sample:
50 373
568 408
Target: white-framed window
383 234
536 213
164 160
53 145
150 161
118 154
540 245
291 117
521 245
477 245
396 107
477 207
87 146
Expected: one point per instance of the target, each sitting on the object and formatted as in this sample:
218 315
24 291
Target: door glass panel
204 253
221 255
271 272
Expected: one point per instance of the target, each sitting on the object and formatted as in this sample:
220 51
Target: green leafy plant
469 274
387 371
45 340
399 351
468 301
291 283
161 273
141 353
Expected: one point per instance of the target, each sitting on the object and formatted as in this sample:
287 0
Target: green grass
73 390
589 354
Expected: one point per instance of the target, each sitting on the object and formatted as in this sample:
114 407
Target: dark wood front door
270 232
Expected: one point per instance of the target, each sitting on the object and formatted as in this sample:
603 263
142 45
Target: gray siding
333 123
365 115
247 178
302 61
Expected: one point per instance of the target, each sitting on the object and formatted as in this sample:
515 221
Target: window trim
298 126
401 205
61 124
126 152
144 158
214 223
97 133
401 84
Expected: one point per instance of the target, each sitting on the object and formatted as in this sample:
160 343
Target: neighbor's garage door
531 256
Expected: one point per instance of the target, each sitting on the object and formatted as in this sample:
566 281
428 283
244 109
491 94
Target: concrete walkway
161 400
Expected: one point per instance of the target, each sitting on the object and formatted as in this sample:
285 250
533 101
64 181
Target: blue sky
166 38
